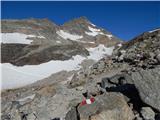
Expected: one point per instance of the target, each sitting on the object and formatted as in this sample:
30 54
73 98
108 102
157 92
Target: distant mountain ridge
41 37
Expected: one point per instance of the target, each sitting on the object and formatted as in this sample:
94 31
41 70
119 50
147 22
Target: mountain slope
123 86
36 45
41 36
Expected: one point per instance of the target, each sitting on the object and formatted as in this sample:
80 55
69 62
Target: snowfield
18 38
93 29
66 35
15 76
99 52
95 32
72 37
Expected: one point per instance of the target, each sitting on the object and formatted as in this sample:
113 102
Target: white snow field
72 37
67 35
15 76
18 38
95 32
99 52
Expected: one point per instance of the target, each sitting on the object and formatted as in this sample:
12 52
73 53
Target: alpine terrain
77 71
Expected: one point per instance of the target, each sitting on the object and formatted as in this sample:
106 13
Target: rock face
30 55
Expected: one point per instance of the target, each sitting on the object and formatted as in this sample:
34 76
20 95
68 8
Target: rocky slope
134 71
123 86
33 49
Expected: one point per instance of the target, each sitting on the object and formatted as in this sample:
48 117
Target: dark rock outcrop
34 54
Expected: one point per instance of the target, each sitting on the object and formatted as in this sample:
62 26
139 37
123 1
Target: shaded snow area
18 38
95 32
99 52
18 76
67 35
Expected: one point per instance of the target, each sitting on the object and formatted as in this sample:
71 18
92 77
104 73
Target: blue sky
124 19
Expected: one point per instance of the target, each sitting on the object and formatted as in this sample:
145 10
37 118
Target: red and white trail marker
87 101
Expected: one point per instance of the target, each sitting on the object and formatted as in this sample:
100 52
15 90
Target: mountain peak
80 20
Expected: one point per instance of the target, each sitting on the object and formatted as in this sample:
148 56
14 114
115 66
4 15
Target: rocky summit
77 71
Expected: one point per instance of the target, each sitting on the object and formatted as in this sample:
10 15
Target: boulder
148 113
72 114
148 84
108 106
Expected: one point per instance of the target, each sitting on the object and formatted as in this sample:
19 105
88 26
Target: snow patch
18 38
66 35
93 29
11 75
70 77
95 32
91 33
154 30
93 24
72 37
58 42
109 36
119 45
40 37
99 52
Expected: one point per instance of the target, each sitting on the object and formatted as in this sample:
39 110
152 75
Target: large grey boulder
109 106
148 84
